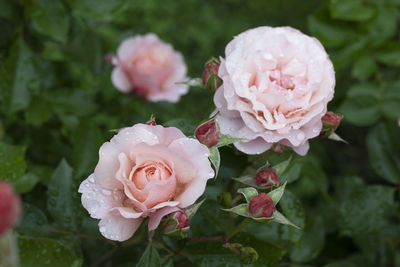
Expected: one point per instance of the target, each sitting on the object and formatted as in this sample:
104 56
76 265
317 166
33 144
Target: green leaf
247 179
62 197
192 209
277 193
391 101
328 33
292 173
280 218
150 258
311 243
98 9
25 183
17 77
383 155
12 162
364 67
215 159
248 192
335 137
186 126
49 17
38 112
389 54
281 167
361 106
227 140
86 142
352 10
33 222
294 211
36 252
383 26
364 209
242 210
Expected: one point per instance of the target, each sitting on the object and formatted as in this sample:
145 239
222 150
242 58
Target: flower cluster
271 92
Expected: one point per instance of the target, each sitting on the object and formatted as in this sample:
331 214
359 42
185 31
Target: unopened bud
267 178
151 122
330 122
225 199
175 221
10 207
210 76
208 133
261 205
248 255
182 219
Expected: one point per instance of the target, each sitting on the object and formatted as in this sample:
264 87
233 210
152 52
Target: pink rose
276 86
144 171
10 207
151 68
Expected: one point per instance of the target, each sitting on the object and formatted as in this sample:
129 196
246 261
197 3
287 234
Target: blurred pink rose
276 86
144 171
151 68
10 207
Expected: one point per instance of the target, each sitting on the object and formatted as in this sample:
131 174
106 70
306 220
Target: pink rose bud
330 122
10 207
267 178
261 206
151 122
175 221
182 219
208 133
210 76
332 119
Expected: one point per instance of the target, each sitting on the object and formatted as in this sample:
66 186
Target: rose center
284 81
148 172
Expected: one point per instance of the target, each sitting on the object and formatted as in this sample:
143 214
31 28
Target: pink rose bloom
144 171
151 68
276 86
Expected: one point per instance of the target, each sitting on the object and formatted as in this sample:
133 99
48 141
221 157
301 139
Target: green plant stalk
238 228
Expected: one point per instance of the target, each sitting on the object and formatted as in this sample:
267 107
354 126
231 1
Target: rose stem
238 228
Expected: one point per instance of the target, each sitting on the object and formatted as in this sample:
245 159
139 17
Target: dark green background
57 106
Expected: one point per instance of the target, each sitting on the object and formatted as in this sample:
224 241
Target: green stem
238 228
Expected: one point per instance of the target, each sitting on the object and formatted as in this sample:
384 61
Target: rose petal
98 201
155 218
120 80
256 146
197 153
115 227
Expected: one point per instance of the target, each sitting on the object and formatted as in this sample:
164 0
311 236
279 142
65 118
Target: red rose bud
267 178
151 122
330 122
182 219
10 207
332 119
210 76
208 133
261 206
175 221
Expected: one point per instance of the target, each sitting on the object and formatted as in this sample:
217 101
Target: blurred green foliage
57 106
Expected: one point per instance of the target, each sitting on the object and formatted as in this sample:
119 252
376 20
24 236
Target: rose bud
330 122
151 122
176 224
210 76
208 133
267 178
10 207
261 206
